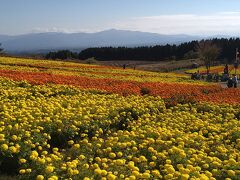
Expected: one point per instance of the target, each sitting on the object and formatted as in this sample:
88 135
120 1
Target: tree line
187 50
62 54
1 49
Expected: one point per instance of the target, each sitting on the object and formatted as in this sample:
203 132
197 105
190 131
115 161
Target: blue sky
196 17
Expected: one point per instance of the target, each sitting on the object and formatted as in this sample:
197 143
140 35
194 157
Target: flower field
214 69
115 80
62 120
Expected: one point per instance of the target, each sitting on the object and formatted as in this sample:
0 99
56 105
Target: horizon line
115 29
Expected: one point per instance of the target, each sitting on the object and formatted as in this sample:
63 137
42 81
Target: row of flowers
203 93
93 71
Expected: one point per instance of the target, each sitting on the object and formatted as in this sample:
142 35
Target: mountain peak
110 37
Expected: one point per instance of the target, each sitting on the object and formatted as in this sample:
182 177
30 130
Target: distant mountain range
44 42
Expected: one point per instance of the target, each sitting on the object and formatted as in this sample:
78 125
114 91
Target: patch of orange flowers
213 93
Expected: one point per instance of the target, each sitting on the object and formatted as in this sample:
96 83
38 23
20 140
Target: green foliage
91 60
235 135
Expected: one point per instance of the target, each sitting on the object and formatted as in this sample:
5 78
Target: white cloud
52 29
220 23
57 29
66 30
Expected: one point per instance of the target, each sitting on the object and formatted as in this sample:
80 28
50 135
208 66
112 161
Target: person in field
235 80
230 82
226 71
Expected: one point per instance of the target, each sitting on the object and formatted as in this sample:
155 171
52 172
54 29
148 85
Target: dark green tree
1 49
62 54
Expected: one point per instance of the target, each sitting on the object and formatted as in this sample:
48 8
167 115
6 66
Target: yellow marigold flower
154 158
13 149
14 137
168 161
152 164
111 177
28 170
34 153
75 172
232 161
2 137
49 169
122 176
112 155
53 178
203 177
44 153
22 160
146 175
119 154
231 173
86 166
55 149
104 160
77 146
156 173
70 142
135 173
98 171
98 159
41 160
182 155
206 166
95 166
104 172
81 157
168 176
185 176
48 159
208 174
170 170
150 149
120 162
4 147
142 158
40 177
22 171
132 177
134 149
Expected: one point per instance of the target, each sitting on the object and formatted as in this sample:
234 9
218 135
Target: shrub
91 61
179 99
145 91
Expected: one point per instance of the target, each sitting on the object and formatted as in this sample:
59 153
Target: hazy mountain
4 38
41 42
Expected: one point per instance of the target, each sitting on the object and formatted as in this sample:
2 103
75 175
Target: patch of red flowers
204 93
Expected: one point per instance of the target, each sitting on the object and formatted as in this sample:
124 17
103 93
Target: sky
193 17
